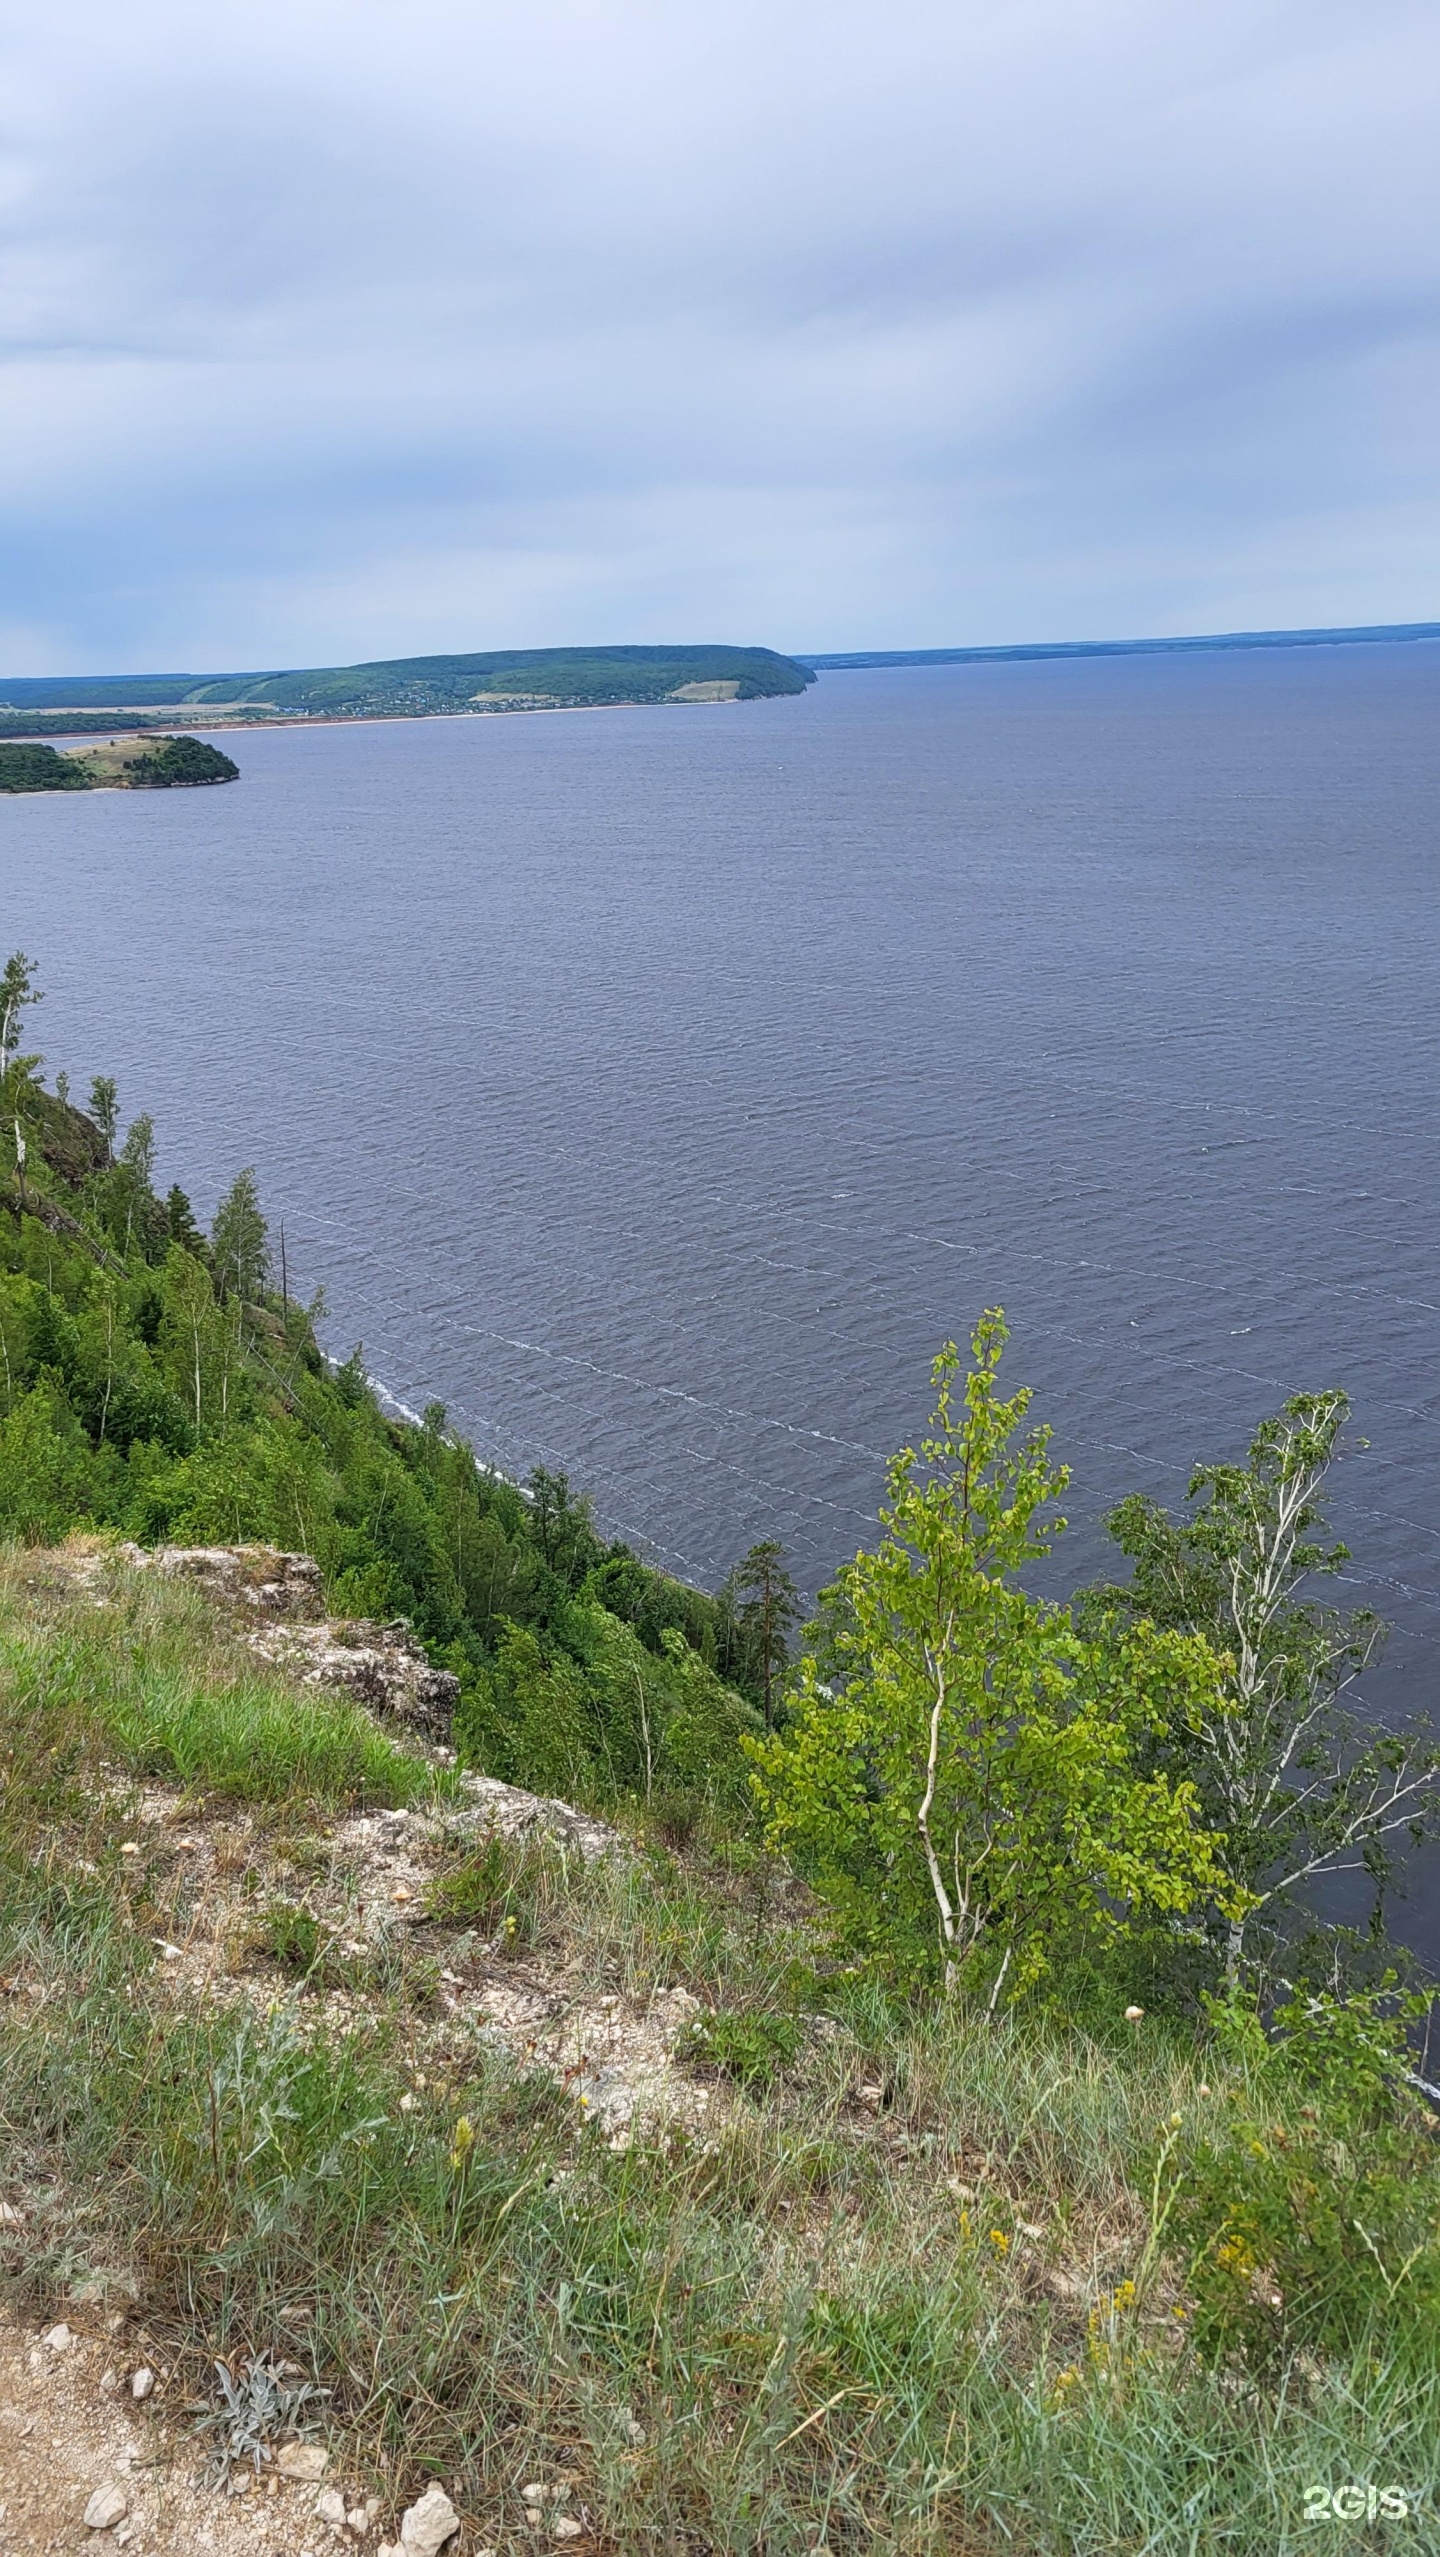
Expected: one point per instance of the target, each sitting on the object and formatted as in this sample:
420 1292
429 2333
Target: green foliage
417 684
240 1240
39 768
1299 1785
105 1109
170 763
751 2045
759 1608
599 1717
180 763
292 1936
969 1793
1308 2195
153 1385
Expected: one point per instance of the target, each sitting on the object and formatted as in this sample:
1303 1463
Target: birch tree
240 1241
1300 1783
964 1784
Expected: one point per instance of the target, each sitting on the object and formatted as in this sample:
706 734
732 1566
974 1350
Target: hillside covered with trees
411 687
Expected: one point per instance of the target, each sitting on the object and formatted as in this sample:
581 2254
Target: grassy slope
829 2318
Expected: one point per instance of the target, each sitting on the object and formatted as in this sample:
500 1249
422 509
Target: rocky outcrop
278 1602
242 1577
507 1811
382 1666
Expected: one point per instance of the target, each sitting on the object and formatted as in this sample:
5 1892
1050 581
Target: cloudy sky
344 328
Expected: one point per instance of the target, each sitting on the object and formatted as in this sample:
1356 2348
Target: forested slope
156 1383
573 678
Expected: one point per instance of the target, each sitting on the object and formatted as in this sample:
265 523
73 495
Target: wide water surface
660 1088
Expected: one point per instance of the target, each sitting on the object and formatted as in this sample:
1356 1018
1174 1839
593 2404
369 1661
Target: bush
751 2045
1311 2212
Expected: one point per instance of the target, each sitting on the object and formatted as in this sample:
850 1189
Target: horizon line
1363 633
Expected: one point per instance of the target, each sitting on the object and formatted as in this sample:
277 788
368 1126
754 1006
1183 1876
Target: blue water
659 1088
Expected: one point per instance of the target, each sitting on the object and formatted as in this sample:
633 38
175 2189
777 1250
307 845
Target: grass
140 1672
875 2308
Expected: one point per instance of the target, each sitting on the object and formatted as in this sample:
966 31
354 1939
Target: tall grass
881 2322
135 1669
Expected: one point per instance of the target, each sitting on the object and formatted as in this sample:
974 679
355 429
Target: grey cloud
327 331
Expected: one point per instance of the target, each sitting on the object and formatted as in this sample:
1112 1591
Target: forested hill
401 687
158 1383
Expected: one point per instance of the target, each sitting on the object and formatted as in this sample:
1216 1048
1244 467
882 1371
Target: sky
338 329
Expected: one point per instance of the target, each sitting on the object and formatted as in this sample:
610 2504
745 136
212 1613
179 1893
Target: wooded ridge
416 687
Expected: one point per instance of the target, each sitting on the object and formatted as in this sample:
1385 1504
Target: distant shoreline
1369 634
318 720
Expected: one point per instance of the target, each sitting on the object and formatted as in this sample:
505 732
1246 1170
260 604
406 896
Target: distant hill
1023 649
414 687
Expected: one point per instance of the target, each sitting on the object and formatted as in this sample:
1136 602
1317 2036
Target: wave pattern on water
658 1089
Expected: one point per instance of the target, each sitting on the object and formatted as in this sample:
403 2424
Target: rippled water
659 1088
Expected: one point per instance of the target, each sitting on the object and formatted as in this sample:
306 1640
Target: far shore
67 739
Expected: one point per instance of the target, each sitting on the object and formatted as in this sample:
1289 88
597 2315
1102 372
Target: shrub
1311 2210
750 2045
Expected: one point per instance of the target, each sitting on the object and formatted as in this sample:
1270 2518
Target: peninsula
407 687
149 763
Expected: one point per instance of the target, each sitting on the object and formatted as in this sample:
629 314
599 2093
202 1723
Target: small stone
407 2103
142 2383
58 2339
358 2521
241 2482
10 2217
304 2463
565 2526
109 2382
107 2505
428 2524
330 2507
130 1847
533 2494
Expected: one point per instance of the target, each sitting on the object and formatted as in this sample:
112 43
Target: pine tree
762 1606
